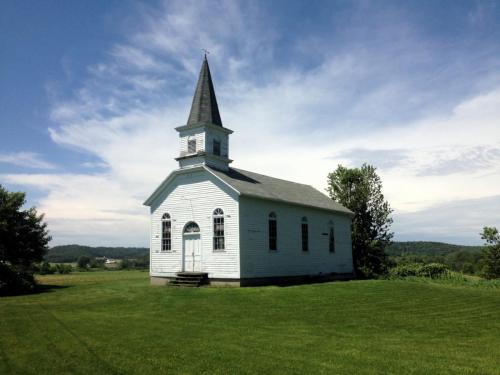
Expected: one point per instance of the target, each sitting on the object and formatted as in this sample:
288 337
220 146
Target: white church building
238 227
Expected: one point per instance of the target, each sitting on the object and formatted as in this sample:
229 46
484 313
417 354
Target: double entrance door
192 253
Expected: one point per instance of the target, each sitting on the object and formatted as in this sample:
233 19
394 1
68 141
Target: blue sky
90 93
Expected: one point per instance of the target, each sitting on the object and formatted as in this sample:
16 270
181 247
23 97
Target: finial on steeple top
205 51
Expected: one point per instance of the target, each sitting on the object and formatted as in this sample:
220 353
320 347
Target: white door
192 253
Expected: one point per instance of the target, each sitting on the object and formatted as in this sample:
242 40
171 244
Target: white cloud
290 122
26 159
88 209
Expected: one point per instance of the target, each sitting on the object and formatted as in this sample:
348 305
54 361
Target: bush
432 270
63 269
83 262
46 269
126 264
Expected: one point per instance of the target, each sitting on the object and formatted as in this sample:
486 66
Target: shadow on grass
297 280
38 289
45 288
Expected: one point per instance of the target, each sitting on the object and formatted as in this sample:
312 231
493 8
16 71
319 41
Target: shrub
63 269
83 262
432 270
126 264
46 269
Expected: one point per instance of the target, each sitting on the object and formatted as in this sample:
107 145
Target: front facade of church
239 227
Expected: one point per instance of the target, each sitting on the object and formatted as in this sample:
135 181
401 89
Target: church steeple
204 140
204 109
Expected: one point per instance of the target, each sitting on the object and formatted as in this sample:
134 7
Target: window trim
166 243
218 234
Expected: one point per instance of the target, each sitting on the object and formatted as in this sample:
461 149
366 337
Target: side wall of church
193 197
257 260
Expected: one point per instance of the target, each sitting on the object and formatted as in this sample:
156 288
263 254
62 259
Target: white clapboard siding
289 259
193 197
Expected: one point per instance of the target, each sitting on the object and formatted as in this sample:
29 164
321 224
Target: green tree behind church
360 190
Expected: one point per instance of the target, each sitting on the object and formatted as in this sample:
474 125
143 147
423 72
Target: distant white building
237 226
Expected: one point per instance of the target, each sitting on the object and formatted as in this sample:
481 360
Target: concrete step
183 283
190 279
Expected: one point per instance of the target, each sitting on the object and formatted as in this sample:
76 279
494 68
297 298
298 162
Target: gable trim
166 181
148 202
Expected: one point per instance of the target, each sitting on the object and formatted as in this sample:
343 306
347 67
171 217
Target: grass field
115 323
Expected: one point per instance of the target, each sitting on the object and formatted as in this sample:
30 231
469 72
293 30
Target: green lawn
115 323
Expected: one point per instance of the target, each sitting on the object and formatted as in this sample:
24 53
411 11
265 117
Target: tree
360 190
83 262
24 240
491 253
46 269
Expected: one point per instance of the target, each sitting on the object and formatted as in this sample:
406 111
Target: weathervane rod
205 51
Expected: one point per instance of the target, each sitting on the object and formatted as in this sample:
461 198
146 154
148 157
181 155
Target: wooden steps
190 279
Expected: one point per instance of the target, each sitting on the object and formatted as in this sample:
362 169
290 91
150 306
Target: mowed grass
115 323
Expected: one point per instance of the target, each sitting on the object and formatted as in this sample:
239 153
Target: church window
331 238
305 234
273 232
191 227
218 217
216 147
166 233
191 145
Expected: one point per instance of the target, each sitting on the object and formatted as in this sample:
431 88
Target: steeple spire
204 109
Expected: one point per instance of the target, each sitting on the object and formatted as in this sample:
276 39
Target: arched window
273 232
191 227
331 237
191 145
305 234
166 233
216 147
218 229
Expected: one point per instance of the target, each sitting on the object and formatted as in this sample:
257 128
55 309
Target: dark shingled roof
265 187
204 108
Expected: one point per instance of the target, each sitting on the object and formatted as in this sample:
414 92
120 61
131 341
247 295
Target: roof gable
172 176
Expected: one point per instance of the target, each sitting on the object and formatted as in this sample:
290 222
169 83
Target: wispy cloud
458 221
465 160
392 98
383 159
26 159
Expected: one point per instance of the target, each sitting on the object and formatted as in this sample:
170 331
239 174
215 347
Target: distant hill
427 248
71 253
